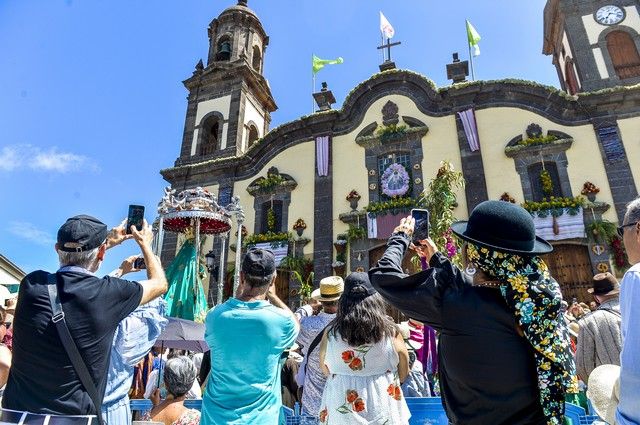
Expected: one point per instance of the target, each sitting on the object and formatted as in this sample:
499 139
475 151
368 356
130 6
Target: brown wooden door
571 267
624 54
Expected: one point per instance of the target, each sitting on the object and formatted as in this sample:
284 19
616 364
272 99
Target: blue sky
92 105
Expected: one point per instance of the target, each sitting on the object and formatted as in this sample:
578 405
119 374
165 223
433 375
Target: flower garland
395 205
546 182
392 176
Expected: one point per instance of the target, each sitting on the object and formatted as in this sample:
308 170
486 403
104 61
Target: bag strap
313 345
70 346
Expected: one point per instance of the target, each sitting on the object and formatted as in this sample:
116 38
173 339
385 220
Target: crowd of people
492 337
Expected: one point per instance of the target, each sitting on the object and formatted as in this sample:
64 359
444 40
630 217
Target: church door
571 267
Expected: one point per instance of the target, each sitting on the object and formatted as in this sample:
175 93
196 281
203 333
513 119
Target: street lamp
210 257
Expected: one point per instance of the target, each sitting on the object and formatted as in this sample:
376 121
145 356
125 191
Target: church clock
609 15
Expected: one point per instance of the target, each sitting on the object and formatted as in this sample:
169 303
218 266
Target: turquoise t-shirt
246 341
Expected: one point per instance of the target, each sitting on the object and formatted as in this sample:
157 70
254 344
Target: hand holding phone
139 264
421 229
135 217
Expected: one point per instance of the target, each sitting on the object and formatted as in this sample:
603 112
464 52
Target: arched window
624 54
570 76
253 135
210 135
257 58
224 49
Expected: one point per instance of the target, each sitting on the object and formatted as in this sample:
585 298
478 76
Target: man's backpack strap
70 346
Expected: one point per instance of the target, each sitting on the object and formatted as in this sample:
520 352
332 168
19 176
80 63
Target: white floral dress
363 387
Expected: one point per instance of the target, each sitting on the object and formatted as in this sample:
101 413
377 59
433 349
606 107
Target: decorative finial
242 3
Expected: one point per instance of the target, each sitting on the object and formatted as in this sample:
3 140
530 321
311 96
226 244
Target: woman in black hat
504 349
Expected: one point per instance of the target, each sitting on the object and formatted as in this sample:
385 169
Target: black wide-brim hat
502 226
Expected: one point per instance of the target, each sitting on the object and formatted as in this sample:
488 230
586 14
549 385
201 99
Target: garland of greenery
542 140
391 132
554 206
546 182
440 200
356 233
279 239
270 182
271 220
393 206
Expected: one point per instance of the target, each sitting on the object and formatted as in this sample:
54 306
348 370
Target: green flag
474 38
318 63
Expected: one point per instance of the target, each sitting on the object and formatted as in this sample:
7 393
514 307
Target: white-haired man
44 386
629 407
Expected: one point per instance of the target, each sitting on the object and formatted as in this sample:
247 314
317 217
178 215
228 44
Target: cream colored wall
222 105
630 134
497 126
7 279
299 162
251 114
602 66
440 143
568 52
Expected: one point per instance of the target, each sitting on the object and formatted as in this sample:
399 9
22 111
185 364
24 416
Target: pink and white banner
322 155
468 119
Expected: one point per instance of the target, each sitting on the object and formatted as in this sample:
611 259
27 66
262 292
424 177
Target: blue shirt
629 407
134 338
247 340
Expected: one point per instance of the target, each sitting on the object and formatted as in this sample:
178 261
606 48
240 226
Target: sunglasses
621 228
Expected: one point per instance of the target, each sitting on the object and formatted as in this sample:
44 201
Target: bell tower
229 102
594 43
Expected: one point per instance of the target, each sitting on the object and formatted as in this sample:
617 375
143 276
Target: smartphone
139 263
421 230
135 217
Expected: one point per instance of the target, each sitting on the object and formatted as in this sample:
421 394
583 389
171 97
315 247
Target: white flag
385 27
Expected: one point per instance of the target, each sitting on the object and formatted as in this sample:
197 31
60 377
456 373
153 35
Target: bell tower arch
229 102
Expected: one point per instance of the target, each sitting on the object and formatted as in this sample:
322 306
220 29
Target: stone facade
433 132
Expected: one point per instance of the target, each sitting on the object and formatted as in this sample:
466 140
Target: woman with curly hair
364 357
504 352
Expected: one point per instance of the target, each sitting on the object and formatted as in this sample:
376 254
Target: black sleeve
419 296
124 297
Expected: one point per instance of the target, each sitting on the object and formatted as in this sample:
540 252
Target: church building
309 185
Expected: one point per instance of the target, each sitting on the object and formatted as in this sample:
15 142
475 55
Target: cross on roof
388 46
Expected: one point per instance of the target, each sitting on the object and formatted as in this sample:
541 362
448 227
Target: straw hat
574 329
604 391
405 331
330 289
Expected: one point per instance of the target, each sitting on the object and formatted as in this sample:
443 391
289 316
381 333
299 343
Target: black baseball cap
259 263
81 233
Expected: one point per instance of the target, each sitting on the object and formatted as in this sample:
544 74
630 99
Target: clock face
609 15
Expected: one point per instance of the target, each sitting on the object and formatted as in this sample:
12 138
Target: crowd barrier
424 411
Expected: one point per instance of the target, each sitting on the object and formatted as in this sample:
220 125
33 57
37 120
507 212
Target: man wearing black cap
600 335
247 335
43 380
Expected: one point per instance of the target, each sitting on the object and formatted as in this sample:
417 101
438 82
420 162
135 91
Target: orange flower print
347 356
397 394
352 395
356 364
323 415
358 405
391 389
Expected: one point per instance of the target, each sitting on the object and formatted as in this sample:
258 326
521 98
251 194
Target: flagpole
473 74
313 87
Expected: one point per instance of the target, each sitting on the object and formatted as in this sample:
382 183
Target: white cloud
32 157
30 232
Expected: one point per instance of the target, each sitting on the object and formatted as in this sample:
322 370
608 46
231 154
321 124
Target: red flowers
354 404
323 415
358 405
395 392
352 395
347 356
356 364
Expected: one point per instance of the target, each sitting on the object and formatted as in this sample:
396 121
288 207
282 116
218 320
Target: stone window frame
602 44
201 126
549 153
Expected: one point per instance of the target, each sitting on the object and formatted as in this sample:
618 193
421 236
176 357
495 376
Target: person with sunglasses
629 408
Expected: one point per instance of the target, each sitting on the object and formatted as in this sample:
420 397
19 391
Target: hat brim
612 292
316 295
540 246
